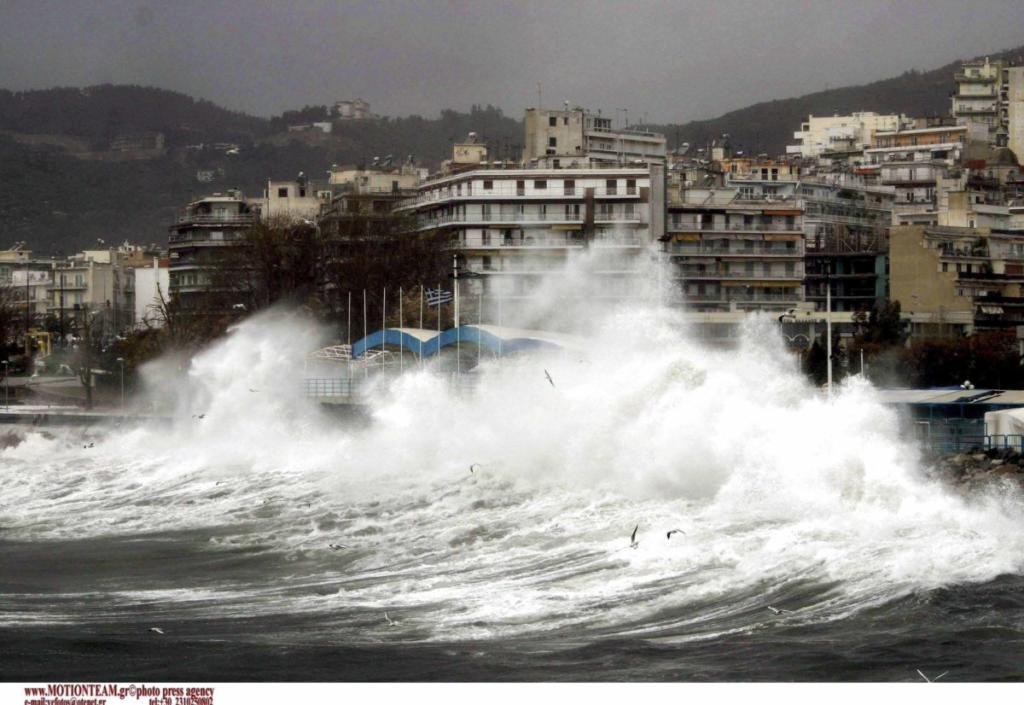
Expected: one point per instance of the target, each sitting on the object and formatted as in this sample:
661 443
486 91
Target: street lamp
120 361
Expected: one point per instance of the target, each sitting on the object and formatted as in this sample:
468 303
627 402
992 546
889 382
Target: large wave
785 496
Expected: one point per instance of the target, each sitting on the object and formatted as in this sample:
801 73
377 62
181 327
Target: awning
780 238
686 237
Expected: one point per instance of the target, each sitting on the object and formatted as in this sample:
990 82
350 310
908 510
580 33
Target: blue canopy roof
498 340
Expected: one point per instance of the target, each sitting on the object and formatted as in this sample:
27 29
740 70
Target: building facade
575 137
516 228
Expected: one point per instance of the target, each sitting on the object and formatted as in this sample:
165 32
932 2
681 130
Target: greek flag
438 296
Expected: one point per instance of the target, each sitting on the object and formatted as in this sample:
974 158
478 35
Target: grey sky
674 60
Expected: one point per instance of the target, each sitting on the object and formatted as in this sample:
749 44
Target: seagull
158 630
931 680
546 374
336 546
198 416
253 390
239 307
89 446
776 610
633 543
391 622
474 465
674 531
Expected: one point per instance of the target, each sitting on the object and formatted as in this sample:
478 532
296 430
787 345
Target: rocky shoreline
976 468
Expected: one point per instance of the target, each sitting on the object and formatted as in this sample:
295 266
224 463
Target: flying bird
546 374
336 546
474 465
158 630
391 622
633 543
674 531
776 610
931 680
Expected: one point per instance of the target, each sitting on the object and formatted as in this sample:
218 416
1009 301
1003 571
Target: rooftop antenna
539 101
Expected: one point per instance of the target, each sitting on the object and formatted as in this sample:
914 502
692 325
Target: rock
979 457
957 460
992 452
995 461
1006 470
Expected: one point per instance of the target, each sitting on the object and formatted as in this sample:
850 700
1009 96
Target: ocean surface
270 541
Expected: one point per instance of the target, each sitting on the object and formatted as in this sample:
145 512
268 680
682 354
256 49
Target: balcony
225 219
505 218
687 274
499 243
693 226
746 252
527 191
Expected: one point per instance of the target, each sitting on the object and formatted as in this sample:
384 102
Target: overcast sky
673 60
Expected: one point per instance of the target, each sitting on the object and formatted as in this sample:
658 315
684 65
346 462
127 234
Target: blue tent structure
499 340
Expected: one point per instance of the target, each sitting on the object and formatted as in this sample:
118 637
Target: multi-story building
820 136
737 248
981 96
914 161
1013 86
152 290
94 283
775 244
518 227
577 138
955 280
206 228
294 200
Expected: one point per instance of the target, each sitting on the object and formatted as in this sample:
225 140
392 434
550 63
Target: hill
81 164
768 127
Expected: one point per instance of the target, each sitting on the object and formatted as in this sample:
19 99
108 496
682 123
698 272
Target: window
627 211
552 121
570 187
945 266
631 187
488 185
540 184
302 192
487 262
282 192
611 186
520 188
552 141
486 209
572 211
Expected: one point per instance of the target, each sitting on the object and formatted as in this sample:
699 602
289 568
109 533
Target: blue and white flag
436 297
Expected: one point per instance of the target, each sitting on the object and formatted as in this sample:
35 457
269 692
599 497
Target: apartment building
825 136
914 161
952 281
152 290
736 249
515 228
97 283
294 200
775 244
1013 86
575 137
203 231
981 98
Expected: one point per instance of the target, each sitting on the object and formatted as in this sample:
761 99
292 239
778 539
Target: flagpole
438 351
421 326
401 325
383 328
366 371
349 332
458 332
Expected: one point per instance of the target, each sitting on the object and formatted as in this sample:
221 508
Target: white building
152 282
294 200
577 138
517 227
842 133
980 98
1014 87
